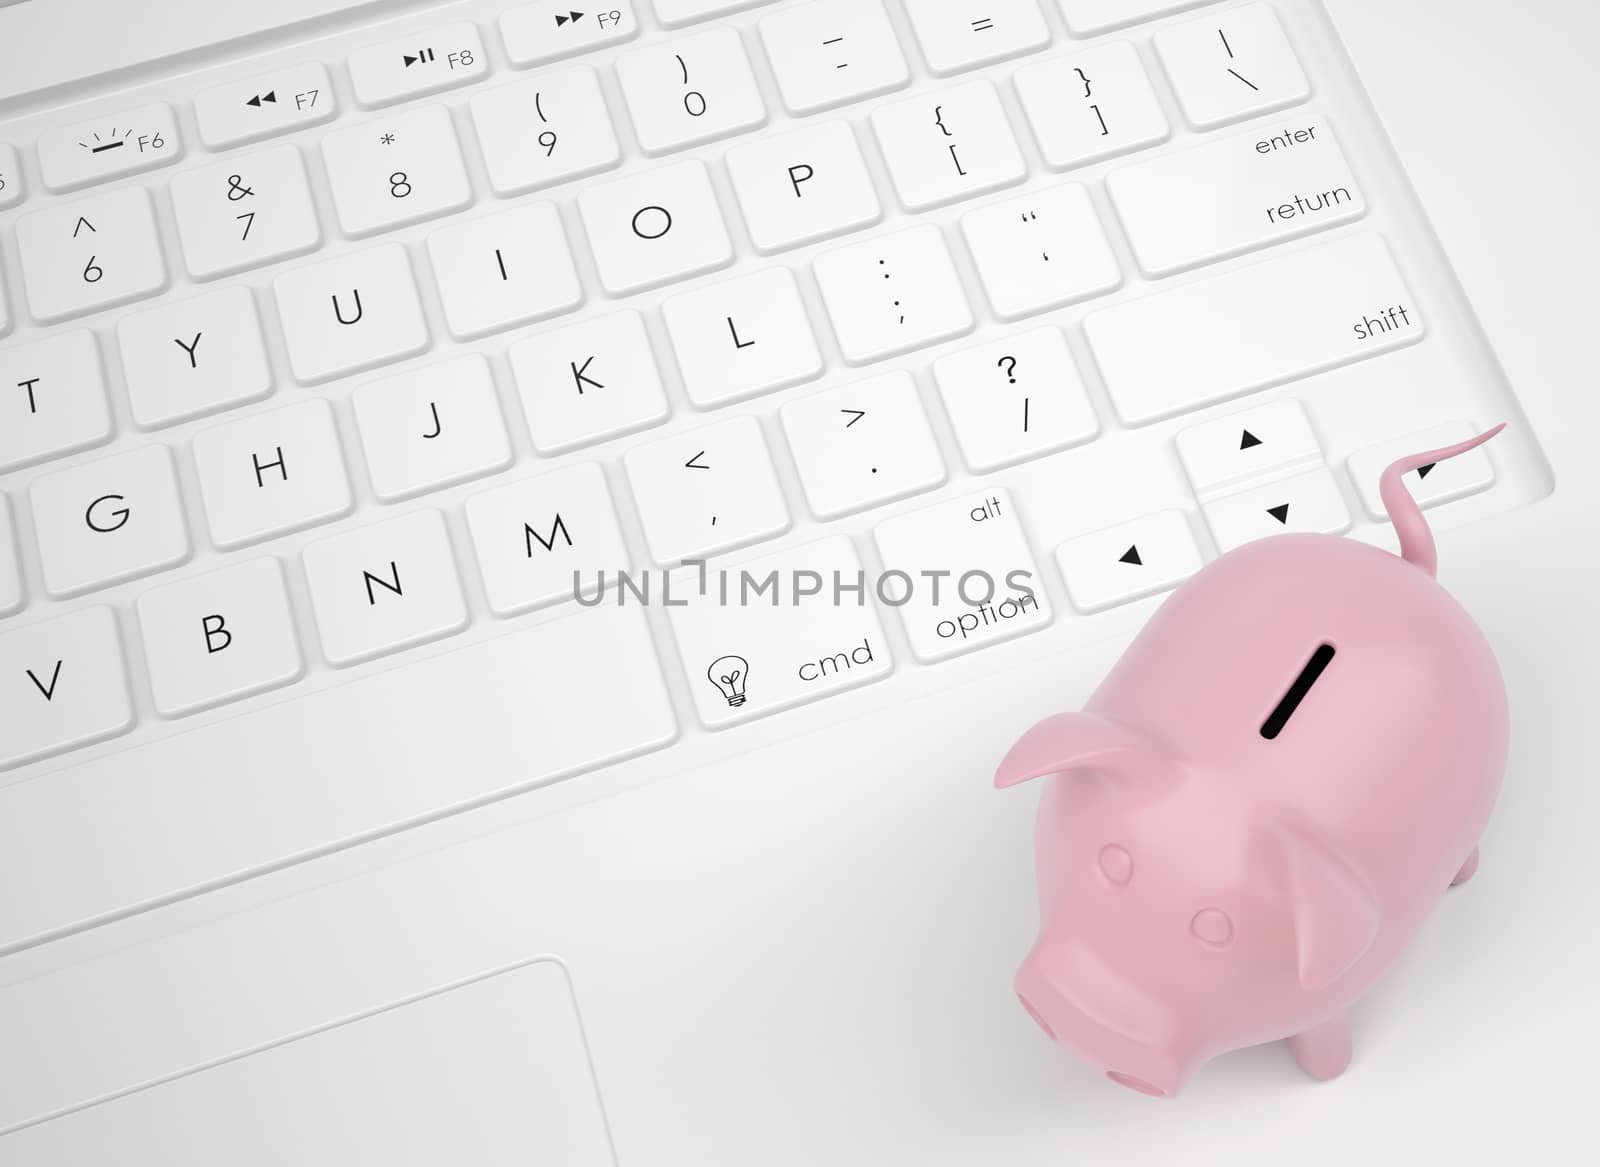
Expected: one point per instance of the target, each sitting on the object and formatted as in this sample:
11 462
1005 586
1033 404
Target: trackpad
488 1073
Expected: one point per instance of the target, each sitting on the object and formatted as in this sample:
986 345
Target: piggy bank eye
1116 864
1212 926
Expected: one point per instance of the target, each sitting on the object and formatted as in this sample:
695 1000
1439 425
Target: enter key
1236 195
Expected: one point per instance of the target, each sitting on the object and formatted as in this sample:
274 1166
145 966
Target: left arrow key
110 146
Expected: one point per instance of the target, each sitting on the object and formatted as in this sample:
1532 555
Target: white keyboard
384 342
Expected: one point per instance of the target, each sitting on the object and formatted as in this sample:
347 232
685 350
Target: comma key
962 575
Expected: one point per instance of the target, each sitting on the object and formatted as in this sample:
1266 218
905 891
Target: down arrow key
1308 502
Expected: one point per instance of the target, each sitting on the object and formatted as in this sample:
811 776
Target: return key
1235 195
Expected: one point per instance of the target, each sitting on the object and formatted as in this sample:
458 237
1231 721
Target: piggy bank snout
1109 1025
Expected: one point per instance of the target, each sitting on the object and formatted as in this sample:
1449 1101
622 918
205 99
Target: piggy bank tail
1416 537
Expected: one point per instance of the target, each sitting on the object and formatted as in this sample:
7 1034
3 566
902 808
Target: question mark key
1016 399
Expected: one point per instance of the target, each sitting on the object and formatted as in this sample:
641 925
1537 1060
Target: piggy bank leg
1467 869
1323 1052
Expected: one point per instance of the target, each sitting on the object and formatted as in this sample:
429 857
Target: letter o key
652 222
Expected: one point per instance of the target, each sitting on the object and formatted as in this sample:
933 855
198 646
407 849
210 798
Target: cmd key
812 632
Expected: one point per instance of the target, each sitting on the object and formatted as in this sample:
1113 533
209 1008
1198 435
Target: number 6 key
90 254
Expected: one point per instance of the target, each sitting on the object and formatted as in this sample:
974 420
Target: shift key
962 575
1253 327
777 632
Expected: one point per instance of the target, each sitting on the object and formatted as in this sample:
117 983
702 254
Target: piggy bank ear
1335 916
1073 741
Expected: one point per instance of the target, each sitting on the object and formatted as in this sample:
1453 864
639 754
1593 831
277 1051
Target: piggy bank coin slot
1315 667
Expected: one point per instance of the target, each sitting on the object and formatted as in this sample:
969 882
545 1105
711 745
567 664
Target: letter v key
49 692
91 707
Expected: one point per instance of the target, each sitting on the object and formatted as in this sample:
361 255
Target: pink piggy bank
1261 804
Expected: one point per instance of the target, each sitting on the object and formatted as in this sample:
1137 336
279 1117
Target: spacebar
386 751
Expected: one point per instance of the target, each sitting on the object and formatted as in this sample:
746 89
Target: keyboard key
1265 188
1041 251
863 445
10 566
422 62
11 188
1307 502
540 132
803 186
675 12
94 253
1091 105
5 308
112 146
893 294
689 91
588 382
655 227
219 637
1233 66
503 270
1466 474
954 39
68 838
746 660
707 490
1086 17
431 427
1253 327
1129 561
948 145
270 474
535 538
193 357
62 685
104 522
350 313
278 102
246 212
1015 399
827 53
1268 441
536 33
971 578
52 398
398 170
384 588
747 336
